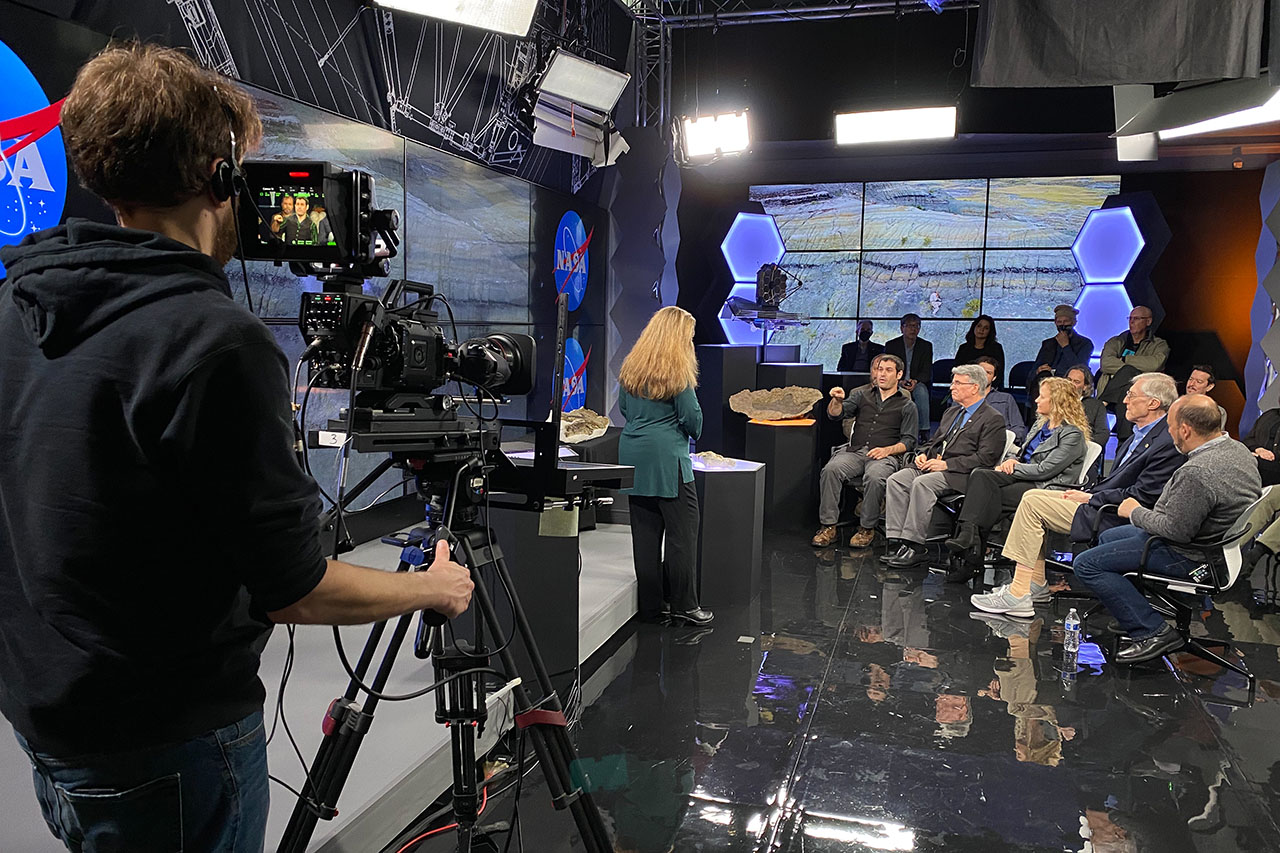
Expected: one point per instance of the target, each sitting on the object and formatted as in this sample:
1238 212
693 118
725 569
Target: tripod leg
345 728
545 726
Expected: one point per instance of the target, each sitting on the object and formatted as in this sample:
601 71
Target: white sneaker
1002 601
1040 593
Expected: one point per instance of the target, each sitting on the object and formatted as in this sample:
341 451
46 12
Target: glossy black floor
853 708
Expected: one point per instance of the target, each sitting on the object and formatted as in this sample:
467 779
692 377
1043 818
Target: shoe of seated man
824 537
1040 593
1002 601
698 617
863 538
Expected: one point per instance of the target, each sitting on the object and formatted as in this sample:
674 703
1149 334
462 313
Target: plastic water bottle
1071 633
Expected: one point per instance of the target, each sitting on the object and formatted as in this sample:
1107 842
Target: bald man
1203 500
1126 356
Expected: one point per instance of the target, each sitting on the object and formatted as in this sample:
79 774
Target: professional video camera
321 220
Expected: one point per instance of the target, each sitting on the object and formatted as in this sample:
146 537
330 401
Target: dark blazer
1143 476
921 367
979 443
849 353
1096 411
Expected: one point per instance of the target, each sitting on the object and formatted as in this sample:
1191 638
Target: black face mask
864 335
1066 330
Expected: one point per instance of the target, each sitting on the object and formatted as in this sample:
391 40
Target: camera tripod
460 703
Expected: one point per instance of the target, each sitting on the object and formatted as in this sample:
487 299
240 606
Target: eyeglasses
963 382
1136 395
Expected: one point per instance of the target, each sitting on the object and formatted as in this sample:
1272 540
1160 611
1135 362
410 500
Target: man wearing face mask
1065 349
856 356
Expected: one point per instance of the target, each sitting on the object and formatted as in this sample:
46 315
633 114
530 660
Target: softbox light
583 82
513 17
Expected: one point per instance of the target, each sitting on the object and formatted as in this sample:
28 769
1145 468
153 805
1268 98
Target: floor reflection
852 708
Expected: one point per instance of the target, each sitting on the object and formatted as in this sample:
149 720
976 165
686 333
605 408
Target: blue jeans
1102 569
206 794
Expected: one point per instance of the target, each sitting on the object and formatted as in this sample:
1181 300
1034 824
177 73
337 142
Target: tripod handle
431 618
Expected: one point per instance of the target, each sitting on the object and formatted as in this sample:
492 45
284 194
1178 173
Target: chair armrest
1097 519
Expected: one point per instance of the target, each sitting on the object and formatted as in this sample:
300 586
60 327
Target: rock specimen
582 424
776 404
711 459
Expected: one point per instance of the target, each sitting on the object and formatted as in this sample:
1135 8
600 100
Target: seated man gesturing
886 428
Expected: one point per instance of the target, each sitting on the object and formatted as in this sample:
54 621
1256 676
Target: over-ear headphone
226 178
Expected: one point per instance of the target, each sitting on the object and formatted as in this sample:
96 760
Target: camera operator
154 519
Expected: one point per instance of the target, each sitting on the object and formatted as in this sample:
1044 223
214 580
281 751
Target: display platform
731 495
787 449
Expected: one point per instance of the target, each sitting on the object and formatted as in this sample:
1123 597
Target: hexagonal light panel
740 331
1104 312
1107 246
753 241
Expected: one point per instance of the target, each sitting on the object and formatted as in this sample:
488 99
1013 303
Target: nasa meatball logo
33 161
575 376
572 262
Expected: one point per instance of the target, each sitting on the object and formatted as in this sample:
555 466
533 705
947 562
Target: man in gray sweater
1201 502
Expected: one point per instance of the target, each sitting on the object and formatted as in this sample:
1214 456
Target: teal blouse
655 441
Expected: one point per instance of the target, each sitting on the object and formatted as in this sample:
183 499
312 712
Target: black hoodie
151 507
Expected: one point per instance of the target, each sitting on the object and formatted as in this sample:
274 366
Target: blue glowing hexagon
1108 244
740 331
1104 313
753 241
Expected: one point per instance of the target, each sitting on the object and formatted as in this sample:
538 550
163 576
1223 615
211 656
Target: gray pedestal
789 454
731 539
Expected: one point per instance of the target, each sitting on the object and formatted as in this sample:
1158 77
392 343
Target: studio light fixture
513 17
571 113
1261 114
706 136
583 82
895 125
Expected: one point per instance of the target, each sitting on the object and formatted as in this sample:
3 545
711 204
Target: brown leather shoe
824 537
863 538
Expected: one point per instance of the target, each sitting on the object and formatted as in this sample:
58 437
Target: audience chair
1019 375
1167 592
939 391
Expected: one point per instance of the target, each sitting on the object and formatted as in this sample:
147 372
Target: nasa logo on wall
572 262
33 168
575 376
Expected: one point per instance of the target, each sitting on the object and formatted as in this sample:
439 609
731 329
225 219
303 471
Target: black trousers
991 494
665 576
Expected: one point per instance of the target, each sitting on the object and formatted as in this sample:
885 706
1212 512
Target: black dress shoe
891 552
909 557
698 616
1166 640
967 537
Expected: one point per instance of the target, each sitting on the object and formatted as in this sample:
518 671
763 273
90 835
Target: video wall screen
947 250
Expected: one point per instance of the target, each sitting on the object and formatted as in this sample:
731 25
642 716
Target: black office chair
1169 594
1020 377
940 390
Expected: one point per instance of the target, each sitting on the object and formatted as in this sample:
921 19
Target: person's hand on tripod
452 582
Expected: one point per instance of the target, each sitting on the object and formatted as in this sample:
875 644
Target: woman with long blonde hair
657 379
1053 454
